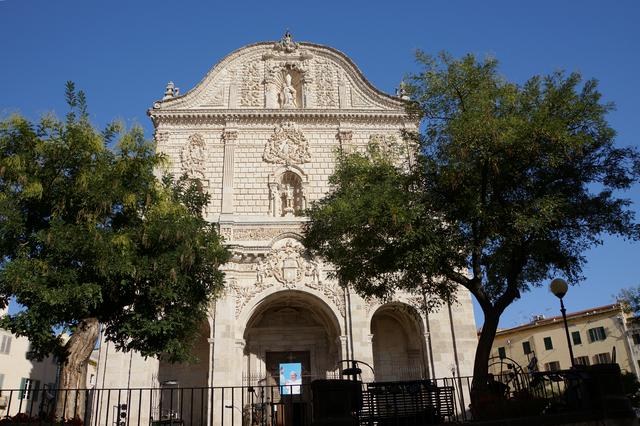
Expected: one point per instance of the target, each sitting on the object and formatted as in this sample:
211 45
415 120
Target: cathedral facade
261 132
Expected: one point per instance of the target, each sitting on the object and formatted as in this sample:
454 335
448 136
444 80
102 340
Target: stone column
367 374
345 137
229 137
343 341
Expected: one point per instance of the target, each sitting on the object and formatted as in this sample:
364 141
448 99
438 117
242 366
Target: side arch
397 342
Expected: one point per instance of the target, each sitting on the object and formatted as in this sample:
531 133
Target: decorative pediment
281 75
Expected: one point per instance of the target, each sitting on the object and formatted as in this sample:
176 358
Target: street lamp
559 288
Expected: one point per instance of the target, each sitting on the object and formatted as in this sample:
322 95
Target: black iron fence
376 403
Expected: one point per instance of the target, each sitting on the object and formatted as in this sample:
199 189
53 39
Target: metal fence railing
446 399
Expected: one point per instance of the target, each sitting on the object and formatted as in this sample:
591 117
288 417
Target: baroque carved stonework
251 94
288 267
261 233
325 86
387 145
286 264
226 232
287 146
193 157
286 44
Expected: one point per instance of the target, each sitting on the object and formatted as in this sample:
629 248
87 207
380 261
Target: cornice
236 115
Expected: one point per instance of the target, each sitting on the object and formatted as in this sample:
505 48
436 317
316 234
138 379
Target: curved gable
283 76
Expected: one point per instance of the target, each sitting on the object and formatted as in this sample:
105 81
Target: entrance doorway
290 340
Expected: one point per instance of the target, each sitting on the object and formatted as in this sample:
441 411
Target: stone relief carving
216 97
287 264
287 145
288 267
325 85
226 232
251 92
261 233
287 80
286 44
193 157
387 145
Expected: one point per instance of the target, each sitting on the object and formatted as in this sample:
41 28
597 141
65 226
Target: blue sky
122 53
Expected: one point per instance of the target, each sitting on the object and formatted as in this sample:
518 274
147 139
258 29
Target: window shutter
8 347
23 383
1 381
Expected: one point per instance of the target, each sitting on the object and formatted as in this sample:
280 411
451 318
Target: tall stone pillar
229 137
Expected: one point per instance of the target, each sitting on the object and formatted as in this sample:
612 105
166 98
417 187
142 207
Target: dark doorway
294 407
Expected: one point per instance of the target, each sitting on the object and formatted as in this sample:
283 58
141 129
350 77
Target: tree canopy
89 234
510 185
630 297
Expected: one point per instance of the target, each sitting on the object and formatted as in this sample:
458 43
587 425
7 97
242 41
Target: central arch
290 326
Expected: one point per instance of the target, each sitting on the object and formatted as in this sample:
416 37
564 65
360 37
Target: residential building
26 377
598 335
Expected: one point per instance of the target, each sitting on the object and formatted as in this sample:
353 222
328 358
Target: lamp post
559 288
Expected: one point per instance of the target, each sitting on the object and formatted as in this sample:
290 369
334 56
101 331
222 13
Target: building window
526 347
1 383
29 389
5 344
552 366
581 360
548 344
603 358
596 334
575 336
502 353
636 338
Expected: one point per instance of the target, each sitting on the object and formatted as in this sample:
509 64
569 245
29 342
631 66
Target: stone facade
261 131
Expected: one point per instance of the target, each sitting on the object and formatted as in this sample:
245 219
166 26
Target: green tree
89 236
510 185
631 299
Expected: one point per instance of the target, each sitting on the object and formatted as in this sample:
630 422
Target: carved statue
289 196
288 95
274 193
314 271
286 44
261 270
288 205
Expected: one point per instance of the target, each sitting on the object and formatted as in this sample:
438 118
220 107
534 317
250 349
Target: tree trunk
73 376
483 353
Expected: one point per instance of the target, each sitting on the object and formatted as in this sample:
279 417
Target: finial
169 91
401 91
286 43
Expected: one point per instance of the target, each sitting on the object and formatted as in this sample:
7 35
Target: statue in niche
274 199
288 93
288 200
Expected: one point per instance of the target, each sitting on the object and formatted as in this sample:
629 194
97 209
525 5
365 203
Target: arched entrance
291 326
398 346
